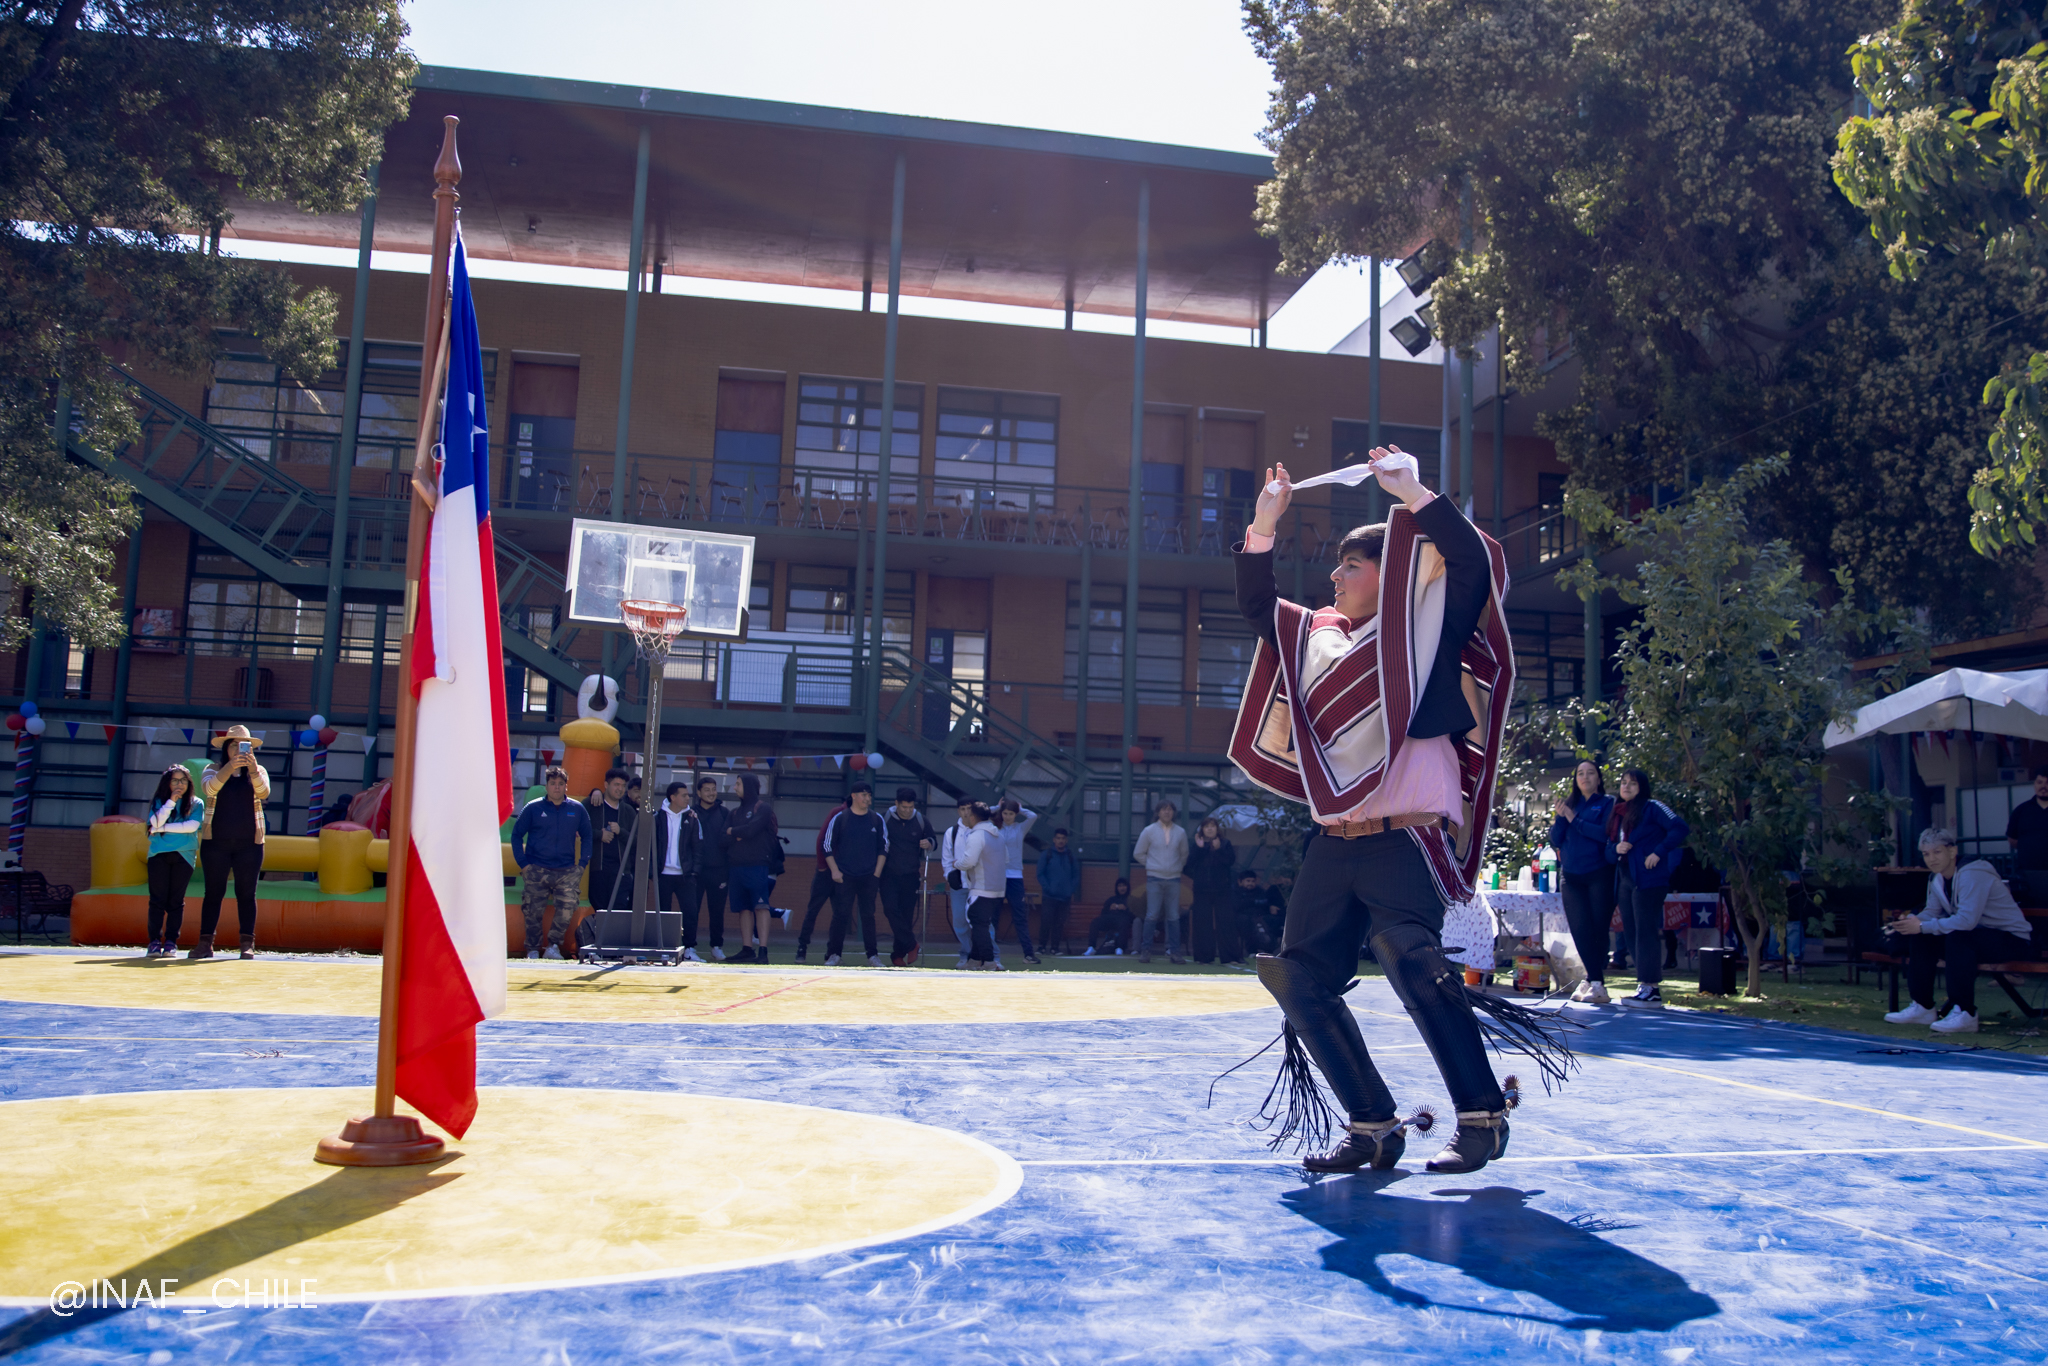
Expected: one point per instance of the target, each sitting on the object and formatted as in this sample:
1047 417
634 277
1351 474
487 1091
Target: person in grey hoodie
1163 848
1970 918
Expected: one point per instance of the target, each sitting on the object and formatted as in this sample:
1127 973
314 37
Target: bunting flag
149 736
110 732
369 742
453 973
188 734
72 727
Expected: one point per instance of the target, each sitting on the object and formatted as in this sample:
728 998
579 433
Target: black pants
981 918
1589 911
1378 890
821 896
606 878
217 858
711 887
1212 927
899 903
677 892
1642 923
1108 933
1962 951
169 876
1052 922
858 891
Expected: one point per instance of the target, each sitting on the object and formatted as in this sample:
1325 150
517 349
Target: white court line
1893 1237
1572 1157
18 1049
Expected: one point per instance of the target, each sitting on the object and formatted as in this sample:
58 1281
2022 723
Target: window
839 429
275 418
1351 444
696 661
746 450
228 606
998 438
1162 643
820 601
1223 658
1164 528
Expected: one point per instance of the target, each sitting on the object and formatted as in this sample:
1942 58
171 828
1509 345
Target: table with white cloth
1540 916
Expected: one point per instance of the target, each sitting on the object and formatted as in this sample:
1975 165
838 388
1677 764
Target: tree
1730 675
125 131
1953 162
1650 186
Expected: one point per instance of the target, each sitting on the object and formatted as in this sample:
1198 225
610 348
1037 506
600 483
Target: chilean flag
453 972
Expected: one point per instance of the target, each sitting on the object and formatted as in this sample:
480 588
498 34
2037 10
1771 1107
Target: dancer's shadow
1493 1236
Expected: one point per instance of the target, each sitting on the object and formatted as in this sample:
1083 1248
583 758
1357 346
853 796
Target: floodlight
1412 335
1421 269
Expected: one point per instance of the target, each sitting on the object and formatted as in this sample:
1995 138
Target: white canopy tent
1964 700
1957 699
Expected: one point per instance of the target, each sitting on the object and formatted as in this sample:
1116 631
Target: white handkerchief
1354 475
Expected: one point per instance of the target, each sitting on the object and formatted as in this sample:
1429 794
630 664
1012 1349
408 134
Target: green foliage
1730 676
1952 163
1529 781
1653 193
127 132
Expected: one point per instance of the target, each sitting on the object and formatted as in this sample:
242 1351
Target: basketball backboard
709 572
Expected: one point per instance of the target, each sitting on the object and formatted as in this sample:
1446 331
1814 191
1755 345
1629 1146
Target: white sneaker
996 966
874 960
1119 953
717 954
1914 1013
1580 992
1596 994
553 953
832 961
963 961
1957 1021
690 956
533 953
1090 953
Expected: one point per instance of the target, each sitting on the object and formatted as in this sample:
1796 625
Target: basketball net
655 625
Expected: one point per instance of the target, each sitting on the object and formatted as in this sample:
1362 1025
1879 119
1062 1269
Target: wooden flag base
380 1141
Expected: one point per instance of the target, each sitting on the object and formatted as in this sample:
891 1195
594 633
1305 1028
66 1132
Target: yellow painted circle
550 1187
697 994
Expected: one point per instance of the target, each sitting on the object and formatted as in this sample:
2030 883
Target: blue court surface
1705 1190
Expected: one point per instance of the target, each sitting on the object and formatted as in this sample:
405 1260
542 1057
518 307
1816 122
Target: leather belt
1380 825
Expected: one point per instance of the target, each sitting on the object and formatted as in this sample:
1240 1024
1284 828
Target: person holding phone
175 812
1644 839
231 836
1579 834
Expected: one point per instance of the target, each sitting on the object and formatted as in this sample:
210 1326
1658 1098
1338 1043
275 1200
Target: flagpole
386 1138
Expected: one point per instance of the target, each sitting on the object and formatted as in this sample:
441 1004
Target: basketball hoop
655 625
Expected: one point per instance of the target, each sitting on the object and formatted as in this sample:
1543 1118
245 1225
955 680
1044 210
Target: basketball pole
386 1138
644 871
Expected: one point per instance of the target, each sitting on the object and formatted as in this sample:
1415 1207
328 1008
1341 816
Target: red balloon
17 721
1135 755
328 735
857 762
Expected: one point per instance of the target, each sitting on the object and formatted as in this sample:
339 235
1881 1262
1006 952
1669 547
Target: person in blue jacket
1644 838
1579 834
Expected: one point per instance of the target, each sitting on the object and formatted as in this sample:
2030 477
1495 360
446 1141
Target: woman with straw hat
231 840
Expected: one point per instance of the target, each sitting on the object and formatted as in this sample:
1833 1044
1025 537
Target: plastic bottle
1549 867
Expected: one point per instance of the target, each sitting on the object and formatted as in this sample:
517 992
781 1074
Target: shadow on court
1492 1235
346 1196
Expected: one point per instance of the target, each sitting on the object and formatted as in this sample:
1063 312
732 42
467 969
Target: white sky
1175 71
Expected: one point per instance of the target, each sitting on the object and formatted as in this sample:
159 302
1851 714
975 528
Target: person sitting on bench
1970 918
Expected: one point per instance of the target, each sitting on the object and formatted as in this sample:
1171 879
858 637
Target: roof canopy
1956 699
799 195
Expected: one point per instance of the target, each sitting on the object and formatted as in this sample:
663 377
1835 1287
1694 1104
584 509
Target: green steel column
1465 367
1081 642
1137 525
1593 662
345 460
117 748
634 262
881 580
1372 486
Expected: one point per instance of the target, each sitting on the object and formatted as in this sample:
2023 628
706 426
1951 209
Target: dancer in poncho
1384 715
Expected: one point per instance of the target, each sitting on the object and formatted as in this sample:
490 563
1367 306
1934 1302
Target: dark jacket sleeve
1257 592
1467 589
520 830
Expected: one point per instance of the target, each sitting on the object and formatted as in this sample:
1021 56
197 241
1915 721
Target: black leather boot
248 946
1375 1143
1482 1136
1319 1022
203 949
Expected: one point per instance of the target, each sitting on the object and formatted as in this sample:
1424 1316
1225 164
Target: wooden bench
2001 973
33 893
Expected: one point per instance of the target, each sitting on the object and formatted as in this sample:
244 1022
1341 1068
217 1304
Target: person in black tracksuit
856 850
713 821
751 844
911 840
613 820
821 893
